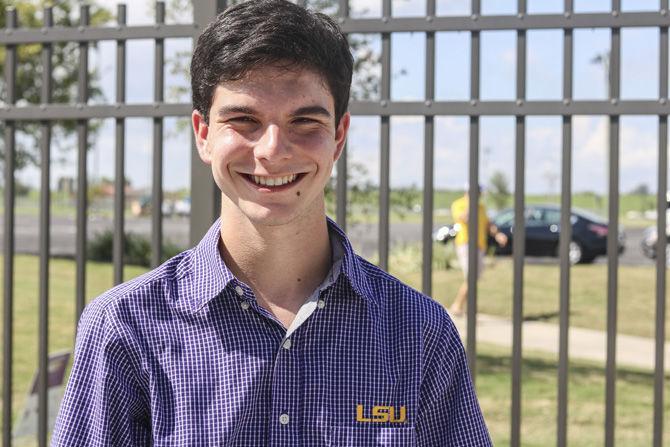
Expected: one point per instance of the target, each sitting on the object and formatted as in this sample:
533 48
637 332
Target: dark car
589 233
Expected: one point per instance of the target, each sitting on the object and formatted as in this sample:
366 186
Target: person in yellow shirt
460 214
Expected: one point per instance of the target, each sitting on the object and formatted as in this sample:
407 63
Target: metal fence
204 193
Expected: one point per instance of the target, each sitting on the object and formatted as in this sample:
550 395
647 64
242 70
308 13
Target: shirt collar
211 275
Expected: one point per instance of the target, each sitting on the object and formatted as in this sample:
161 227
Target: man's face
272 142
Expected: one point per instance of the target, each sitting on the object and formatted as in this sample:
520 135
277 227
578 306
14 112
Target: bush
137 249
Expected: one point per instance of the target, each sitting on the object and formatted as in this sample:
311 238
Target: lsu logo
381 414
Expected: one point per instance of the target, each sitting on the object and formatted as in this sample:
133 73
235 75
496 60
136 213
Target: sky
639 80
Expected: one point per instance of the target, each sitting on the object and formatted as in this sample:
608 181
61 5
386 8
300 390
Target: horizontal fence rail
205 195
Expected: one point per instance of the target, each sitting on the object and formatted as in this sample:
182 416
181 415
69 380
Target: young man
271 331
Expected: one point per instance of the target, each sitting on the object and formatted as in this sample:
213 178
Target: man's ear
341 134
200 131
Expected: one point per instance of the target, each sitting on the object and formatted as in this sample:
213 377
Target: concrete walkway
584 344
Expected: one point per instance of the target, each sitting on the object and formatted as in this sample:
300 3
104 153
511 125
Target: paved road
363 236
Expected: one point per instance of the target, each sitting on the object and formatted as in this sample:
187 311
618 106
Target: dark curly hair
259 33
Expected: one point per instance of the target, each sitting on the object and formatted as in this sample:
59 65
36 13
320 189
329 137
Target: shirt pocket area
371 436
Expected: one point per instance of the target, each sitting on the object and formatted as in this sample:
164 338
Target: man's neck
282 264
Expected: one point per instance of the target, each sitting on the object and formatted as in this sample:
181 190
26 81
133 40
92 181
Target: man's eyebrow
226 110
311 110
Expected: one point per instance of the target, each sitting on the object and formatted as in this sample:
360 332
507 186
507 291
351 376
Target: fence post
205 196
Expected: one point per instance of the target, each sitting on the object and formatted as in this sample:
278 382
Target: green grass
61 312
588 291
586 401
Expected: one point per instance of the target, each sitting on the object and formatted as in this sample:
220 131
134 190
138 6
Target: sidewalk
583 344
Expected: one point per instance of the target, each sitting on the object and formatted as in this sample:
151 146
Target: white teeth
274 181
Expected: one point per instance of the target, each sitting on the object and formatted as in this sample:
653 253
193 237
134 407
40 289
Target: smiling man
271 331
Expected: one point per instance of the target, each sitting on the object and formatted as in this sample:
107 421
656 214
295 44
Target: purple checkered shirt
184 356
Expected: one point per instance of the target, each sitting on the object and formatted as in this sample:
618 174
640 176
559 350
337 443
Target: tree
499 192
641 190
65 60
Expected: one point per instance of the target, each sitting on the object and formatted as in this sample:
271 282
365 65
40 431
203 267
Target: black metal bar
473 176
505 22
59 34
612 239
565 237
341 190
662 239
352 25
119 160
205 195
385 156
507 108
82 177
8 237
341 186
343 10
519 234
428 162
45 204
157 167
59 112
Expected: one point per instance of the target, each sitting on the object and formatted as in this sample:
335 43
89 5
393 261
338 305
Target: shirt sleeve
103 403
449 413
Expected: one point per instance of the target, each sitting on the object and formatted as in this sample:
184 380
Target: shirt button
287 345
245 305
283 419
239 290
321 304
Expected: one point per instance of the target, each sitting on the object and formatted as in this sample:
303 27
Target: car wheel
576 254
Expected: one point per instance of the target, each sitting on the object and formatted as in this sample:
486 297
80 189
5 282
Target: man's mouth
274 182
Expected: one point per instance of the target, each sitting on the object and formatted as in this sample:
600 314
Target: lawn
586 409
588 291
586 401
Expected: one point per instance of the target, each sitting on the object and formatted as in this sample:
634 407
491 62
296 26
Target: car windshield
504 218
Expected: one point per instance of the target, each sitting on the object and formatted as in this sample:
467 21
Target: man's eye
305 121
242 119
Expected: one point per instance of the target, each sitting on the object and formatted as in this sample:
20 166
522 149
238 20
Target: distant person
271 331
460 213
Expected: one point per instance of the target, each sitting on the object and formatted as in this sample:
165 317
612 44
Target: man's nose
272 146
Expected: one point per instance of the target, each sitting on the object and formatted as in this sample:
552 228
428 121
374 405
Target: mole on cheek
297 193
299 279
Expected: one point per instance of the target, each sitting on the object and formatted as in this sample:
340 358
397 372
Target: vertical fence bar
205 195
45 204
565 236
119 155
473 176
662 240
157 184
341 187
612 238
519 245
8 237
385 156
82 178
428 161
